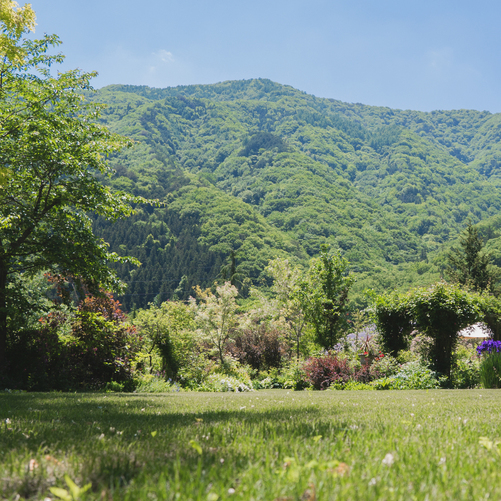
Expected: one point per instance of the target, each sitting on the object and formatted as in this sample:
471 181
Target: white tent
475 331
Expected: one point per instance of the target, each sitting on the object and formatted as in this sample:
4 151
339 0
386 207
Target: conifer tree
470 265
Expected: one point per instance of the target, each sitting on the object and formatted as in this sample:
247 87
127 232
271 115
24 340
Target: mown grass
265 445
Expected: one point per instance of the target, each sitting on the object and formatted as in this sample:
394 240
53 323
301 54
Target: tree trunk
444 342
3 316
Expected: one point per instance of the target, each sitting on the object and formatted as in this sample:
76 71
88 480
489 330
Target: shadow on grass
64 420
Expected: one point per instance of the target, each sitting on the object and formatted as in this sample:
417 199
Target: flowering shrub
103 344
489 346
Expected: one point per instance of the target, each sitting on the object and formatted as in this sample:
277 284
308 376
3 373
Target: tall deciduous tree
291 297
327 285
216 315
50 149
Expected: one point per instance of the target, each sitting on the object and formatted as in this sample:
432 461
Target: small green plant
74 492
465 371
490 371
155 383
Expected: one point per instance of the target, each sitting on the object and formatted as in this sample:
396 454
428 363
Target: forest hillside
250 170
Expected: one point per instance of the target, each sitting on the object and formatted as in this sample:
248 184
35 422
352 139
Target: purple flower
489 346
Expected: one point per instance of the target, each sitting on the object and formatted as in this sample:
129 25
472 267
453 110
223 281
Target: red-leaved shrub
321 372
259 347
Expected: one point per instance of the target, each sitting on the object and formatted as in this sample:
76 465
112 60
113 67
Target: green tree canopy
51 149
327 284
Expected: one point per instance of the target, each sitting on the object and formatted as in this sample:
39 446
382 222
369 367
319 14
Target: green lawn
265 445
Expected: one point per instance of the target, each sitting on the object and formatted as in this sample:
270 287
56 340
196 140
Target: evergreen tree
470 266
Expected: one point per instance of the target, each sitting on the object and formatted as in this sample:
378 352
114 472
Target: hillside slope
264 169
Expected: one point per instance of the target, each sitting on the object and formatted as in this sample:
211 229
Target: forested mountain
262 169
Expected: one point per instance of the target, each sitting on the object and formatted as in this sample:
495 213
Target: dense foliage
439 311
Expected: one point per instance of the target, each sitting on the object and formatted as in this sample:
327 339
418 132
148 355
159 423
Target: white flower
388 459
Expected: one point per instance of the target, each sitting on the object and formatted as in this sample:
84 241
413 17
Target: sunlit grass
265 445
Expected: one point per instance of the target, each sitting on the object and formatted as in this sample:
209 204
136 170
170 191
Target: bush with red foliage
260 347
321 372
104 343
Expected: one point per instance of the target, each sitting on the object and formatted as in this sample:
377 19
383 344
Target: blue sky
407 54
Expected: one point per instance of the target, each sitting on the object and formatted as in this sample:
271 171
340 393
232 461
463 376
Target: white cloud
164 55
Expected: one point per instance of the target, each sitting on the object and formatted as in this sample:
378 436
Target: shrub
321 372
103 345
386 366
465 373
222 383
293 376
266 383
168 334
232 368
195 371
259 347
37 361
366 373
490 371
411 376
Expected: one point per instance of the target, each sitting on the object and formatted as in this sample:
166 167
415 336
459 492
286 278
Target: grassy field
266 445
